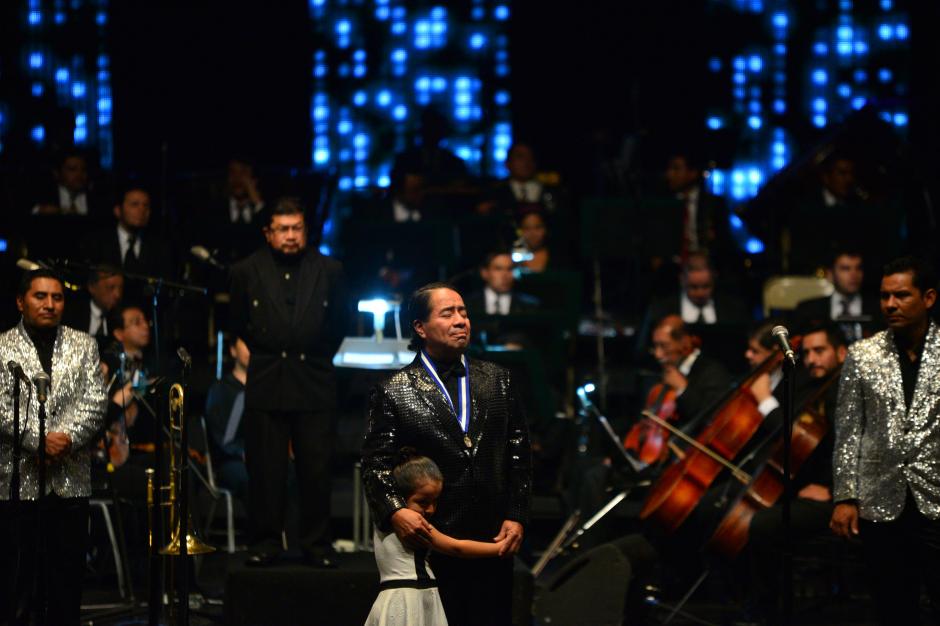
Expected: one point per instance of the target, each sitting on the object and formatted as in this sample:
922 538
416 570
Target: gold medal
467 442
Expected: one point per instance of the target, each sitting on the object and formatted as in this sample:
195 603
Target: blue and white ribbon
463 389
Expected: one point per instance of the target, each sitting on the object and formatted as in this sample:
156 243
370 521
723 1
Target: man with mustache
886 466
463 414
288 306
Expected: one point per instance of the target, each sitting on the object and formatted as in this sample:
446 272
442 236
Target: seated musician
823 352
697 379
498 298
697 301
130 422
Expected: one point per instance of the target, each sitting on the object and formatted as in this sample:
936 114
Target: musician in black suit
70 193
847 274
522 187
697 221
498 296
288 304
696 301
88 310
130 244
463 414
228 223
696 379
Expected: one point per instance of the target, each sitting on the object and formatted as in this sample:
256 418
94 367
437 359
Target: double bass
677 492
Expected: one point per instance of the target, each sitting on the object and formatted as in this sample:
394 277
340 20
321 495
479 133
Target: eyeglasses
283 230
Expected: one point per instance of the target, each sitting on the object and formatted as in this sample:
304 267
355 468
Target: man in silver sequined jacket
75 411
463 414
886 462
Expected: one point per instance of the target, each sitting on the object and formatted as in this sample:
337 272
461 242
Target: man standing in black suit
288 305
464 415
847 274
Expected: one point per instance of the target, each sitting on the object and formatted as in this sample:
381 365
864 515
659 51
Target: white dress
408 595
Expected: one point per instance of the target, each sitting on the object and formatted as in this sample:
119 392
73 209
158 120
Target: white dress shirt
124 238
769 404
690 198
243 213
405 214
77 204
689 311
526 191
96 319
835 305
497 303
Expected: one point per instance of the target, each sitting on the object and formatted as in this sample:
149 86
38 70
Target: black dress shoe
261 559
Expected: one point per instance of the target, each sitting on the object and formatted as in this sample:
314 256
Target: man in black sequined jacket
464 415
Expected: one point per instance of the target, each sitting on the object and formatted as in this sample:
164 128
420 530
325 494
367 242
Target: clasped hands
415 532
57 446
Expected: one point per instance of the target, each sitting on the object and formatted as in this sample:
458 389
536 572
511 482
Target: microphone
782 335
202 253
184 356
42 382
17 371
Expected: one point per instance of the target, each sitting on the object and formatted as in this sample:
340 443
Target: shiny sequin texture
881 447
484 484
76 406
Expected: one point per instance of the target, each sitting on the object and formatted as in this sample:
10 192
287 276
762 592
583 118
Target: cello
809 428
647 440
683 484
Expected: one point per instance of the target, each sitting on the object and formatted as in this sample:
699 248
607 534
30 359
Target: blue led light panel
64 60
378 63
853 54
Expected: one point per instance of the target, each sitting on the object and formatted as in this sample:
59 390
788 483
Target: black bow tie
454 370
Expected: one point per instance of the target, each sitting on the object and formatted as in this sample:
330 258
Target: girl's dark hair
413 469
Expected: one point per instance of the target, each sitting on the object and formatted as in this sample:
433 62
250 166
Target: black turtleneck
288 270
44 340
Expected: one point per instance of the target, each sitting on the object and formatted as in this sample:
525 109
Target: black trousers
267 436
901 556
764 550
474 591
63 542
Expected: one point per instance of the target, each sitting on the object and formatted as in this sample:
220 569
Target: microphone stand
15 470
40 502
788 367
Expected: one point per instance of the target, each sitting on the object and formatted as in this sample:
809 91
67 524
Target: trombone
183 542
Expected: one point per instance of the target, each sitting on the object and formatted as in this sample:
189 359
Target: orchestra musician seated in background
847 274
499 298
696 379
823 351
130 423
886 477
88 310
696 300
71 191
534 236
225 408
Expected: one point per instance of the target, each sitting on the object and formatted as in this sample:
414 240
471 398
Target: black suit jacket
707 381
483 485
155 258
520 303
819 310
291 366
730 310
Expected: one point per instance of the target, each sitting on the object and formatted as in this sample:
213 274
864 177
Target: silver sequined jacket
484 484
881 447
76 406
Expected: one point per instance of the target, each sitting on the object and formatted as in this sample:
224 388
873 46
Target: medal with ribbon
462 409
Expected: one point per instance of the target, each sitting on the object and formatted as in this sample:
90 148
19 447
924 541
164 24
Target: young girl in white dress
408 590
